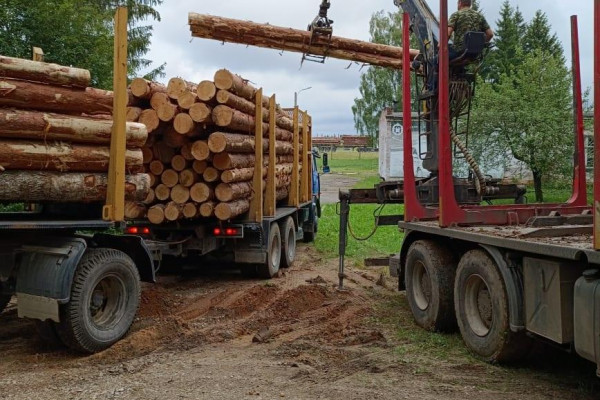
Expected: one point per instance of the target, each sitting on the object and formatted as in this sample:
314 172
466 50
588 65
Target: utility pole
298 92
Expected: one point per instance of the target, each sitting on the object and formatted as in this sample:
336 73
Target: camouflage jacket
463 21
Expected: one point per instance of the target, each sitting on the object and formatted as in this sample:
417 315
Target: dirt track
194 340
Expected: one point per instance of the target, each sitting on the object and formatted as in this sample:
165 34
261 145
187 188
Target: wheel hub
106 302
478 305
421 286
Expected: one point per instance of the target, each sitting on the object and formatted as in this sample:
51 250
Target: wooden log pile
201 151
55 135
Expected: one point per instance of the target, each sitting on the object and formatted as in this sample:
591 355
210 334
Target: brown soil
219 336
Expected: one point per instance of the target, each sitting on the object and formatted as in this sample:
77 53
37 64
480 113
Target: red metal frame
413 209
450 212
596 124
579 197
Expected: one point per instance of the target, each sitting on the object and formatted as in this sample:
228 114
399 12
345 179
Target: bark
225 80
233 119
162 152
37 96
150 119
190 210
201 192
200 150
42 186
58 156
537 184
169 178
17 124
227 211
174 139
156 214
274 37
144 89
186 100
219 142
162 192
188 177
178 86
207 209
200 113
210 175
206 91
184 124
180 194
224 161
36 71
178 163
227 192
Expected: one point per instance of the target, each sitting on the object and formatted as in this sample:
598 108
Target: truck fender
513 281
135 247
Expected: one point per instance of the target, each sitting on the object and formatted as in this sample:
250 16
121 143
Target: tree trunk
201 192
144 89
186 100
206 91
162 192
36 71
219 142
134 210
188 177
37 96
199 166
186 152
57 156
207 209
227 211
167 112
150 198
42 186
190 210
225 80
158 99
156 167
169 178
210 175
178 163
200 150
201 113
150 119
173 211
156 214
162 152
180 194
133 114
228 117
178 86
274 37
227 192
184 124
174 139
147 154
537 183
224 161
17 124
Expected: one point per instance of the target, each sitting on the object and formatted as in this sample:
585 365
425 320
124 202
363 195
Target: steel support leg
343 238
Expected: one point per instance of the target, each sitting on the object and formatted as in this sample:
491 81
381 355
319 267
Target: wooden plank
310 157
270 192
256 204
304 182
115 199
294 199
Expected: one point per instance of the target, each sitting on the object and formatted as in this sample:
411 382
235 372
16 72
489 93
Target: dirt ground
217 335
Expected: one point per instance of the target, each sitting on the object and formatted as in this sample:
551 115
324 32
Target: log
150 198
167 111
180 194
156 214
134 210
162 192
58 156
43 186
184 124
190 210
227 211
200 150
199 166
174 139
201 192
227 192
156 167
153 180
18 124
133 114
274 37
210 175
169 178
226 80
224 161
162 152
219 142
188 177
186 100
147 154
38 96
177 86
178 163
36 71
233 119
246 174
144 89
173 211
207 209
186 151
150 119
158 99
206 91
200 113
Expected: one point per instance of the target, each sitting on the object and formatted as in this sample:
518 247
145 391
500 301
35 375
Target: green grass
352 162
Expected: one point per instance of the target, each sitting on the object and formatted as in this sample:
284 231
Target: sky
334 85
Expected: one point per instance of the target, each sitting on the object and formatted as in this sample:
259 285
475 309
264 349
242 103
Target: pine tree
538 37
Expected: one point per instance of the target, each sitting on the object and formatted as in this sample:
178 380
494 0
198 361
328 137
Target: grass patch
352 162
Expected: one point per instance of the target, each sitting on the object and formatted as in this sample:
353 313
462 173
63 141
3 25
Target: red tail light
133 230
217 232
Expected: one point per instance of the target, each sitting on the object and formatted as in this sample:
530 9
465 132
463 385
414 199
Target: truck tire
310 237
288 248
271 267
105 295
482 310
429 276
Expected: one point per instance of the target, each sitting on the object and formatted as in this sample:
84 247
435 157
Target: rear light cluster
137 230
227 232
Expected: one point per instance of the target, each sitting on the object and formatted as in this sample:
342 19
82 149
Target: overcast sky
334 85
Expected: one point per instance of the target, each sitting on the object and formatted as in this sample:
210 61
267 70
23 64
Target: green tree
379 87
75 32
529 113
538 36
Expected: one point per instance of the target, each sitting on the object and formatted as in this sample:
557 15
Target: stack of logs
54 136
200 154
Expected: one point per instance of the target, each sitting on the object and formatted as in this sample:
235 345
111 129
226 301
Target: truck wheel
482 310
105 295
429 277
288 248
270 268
310 237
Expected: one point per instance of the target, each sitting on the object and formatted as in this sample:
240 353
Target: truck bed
573 242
